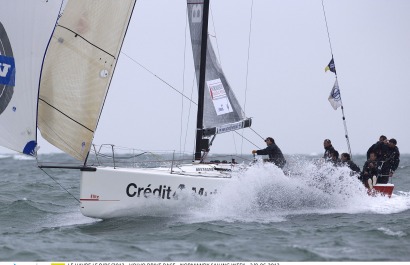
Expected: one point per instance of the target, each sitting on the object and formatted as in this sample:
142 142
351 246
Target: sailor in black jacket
274 152
390 161
346 160
378 148
370 172
327 144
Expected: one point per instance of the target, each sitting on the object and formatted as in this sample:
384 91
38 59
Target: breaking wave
264 193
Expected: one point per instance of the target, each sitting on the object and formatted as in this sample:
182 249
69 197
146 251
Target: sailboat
63 96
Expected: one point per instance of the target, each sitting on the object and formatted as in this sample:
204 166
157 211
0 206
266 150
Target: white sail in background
25 30
77 71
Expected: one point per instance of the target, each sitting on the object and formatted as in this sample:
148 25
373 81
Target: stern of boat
383 189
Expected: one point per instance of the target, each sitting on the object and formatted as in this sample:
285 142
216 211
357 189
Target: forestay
222 112
25 29
78 69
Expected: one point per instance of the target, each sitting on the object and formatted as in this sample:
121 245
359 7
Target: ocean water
312 215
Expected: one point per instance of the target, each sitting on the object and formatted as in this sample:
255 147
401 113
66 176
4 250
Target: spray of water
264 193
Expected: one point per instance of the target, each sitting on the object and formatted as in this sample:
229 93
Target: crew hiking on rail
383 158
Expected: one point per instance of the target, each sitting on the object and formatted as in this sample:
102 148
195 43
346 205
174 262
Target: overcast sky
287 88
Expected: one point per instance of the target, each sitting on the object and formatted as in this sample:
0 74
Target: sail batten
78 35
77 71
85 127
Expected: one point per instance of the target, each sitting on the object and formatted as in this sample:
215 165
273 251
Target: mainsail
25 29
222 112
77 71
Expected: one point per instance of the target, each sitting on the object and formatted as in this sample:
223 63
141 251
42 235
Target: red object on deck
383 189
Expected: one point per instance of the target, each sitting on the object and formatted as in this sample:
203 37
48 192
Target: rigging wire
257 133
214 36
247 67
189 112
249 141
340 94
183 84
327 29
58 183
159 78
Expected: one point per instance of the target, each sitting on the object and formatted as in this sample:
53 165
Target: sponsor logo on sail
229 127
219 97
7 70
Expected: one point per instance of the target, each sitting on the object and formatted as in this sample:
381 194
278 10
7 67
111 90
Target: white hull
114 192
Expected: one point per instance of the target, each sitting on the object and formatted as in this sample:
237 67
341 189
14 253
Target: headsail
77 71
222 112
25 29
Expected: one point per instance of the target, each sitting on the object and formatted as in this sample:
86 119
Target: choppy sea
263 216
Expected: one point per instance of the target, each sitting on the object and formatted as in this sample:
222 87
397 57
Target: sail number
196 14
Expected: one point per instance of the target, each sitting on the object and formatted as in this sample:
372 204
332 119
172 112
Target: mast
332 68
201 84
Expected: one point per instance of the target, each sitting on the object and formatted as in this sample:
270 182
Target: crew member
378 148
335 158
369 173
327 144
389 161
274 152
345 158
